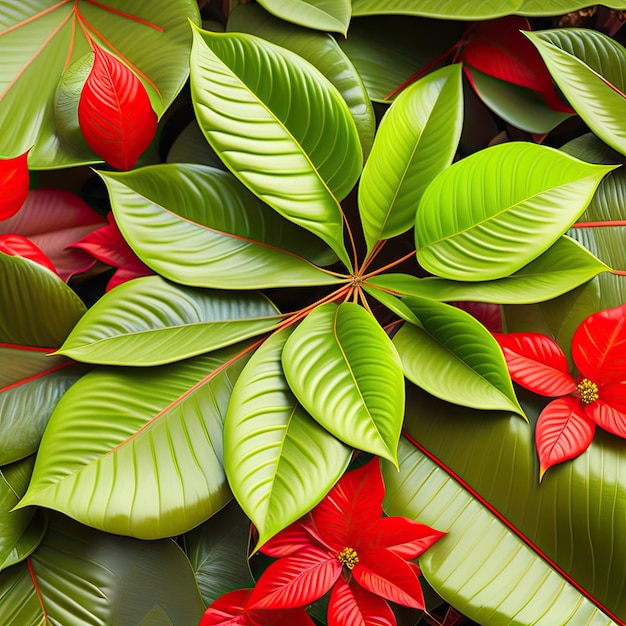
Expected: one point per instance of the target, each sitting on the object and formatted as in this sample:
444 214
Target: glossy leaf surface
495 211
14 180
17 245
279 461
332 15
198 226
308 156
351 604
416 140
352 388
150 321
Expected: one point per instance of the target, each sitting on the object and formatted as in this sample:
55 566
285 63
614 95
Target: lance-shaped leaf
159 428
333 15
290 139
416 140
14 180
562 267
17 245
454 357
279 461
345 371
587 67
114 112
150 321
495 211
198 226
82 576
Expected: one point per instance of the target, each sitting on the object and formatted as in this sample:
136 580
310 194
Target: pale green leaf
333 15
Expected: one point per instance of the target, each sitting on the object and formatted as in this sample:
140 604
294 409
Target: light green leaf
416 140
198 226
562 267
191 147
290 139
454 357
81 576
588 67
495 211
159 428
320 49
149 321
333 15
279 461
393 303
345 371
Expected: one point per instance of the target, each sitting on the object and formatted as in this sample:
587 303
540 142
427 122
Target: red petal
389 576
16 245
498 48
296 580
352 505
536 362
599 346
563 432
227 610
114 112
611 417
400 535
290 540
351 605
14 182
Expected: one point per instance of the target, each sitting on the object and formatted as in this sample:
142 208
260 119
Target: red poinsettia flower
231 610
345 544
566 426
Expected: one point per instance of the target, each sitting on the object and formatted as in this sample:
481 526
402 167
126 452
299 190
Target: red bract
114 112
345 544
14 180
16 245
566 426
231 610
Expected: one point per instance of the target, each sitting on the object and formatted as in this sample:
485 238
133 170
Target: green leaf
198 226
320 49
393 303
587 66
562 267
333 15
162 433
38 41
454 357
81 576
495 211
416 140
279 461
307 157
345 371
149 321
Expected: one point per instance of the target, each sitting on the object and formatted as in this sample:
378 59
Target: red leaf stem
29 565
134 18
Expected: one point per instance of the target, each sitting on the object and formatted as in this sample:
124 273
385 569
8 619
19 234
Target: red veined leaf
609 410
351 605
14 180
563 432
388 575
16 245
114 112
296 580
599 346
488 314
290 540
536 362
498 48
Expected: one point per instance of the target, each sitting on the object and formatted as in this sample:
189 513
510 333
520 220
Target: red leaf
599 346
290 540
389 576
16 245
351 605
14 180
296 580
53 219
114 112
488 314
536 362
563 432
498 48
609 411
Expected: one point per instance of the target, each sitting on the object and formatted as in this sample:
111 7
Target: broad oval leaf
495 211
162 433
279 461
454 357
345 371
14 180
416 140
332 15
198 226
293 141
150 321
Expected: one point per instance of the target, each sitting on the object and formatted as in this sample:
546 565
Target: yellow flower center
588 391
348 557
